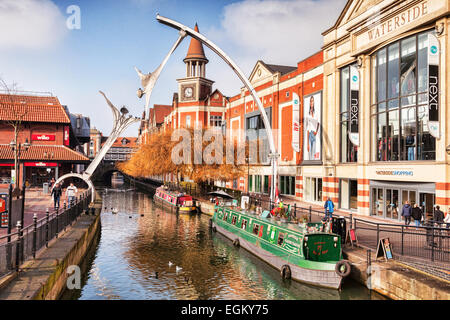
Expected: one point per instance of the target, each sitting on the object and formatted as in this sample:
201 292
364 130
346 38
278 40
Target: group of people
417 214
71 194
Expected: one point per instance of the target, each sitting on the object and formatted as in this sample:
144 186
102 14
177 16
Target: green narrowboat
180 201
306 253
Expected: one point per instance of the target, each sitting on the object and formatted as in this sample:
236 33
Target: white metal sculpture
121 122
148 81
273 152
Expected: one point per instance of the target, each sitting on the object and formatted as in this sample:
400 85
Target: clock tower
194 87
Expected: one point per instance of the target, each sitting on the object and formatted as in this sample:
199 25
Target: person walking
71 193
56 194
406 212
417 214
329 208
438 215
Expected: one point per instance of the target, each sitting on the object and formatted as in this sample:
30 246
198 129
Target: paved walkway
37 202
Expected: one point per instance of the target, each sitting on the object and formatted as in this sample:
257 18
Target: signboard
433 86
3 210
351 237
312 114
66 136
384 249
43 137
295 122
40 164
244 202
354 105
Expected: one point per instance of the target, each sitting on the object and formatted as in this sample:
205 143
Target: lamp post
17 149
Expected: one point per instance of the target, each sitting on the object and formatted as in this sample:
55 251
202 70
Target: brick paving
37 202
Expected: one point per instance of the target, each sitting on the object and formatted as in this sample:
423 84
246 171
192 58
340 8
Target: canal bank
391 279
44 278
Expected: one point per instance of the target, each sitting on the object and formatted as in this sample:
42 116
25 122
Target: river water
131 260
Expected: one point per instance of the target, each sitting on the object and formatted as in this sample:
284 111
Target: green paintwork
320 250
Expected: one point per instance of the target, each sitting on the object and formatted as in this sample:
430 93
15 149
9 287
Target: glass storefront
313 189
348 194
5 174
387 199
287 185
399 101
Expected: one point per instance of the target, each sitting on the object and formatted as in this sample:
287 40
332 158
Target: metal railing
24 243
428 242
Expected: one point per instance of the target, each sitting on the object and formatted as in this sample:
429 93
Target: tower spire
195 59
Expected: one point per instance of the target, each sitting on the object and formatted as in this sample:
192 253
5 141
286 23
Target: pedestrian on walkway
447 219
406 212
329 208
56 194
71 193
417 214
438 215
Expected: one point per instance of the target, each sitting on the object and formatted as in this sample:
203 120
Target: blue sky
39 53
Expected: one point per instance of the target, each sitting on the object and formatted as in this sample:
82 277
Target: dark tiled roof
282 69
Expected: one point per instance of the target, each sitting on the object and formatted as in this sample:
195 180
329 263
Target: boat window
255 228
281 239
233 221
261 231
225 216
244 224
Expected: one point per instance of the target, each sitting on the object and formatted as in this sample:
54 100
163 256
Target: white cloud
277 32
30 24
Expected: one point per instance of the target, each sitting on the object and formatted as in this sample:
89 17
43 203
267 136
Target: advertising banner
295 122
433 86
312 115
354 106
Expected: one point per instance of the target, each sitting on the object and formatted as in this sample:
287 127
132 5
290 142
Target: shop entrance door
392 203
377 202
426 202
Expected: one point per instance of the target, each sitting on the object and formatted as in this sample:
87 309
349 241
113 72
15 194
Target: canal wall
45 277
395 280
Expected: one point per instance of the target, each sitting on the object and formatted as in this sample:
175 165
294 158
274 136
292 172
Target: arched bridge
104 172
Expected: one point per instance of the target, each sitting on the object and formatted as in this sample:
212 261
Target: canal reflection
131 260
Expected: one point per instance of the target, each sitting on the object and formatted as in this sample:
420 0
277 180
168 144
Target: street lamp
17 149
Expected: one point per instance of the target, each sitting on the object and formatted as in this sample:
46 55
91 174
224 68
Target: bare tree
18 113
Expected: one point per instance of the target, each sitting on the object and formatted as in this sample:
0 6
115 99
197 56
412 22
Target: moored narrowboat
178 200
307 253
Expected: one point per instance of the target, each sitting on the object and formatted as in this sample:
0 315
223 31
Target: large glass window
399 102
349 152
287 185
313 189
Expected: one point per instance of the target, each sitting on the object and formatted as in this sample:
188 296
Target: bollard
19 239
56 220
310 214
65 205
34 235
295 210
351 220
369 269
46 228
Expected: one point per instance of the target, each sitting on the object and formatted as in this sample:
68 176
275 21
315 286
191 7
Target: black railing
24 243
428 242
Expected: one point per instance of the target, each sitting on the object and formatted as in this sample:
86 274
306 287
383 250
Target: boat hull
179 209
322 278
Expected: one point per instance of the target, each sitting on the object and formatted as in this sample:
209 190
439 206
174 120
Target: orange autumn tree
197 158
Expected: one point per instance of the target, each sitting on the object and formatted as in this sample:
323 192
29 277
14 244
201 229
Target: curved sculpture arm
232 64
77 175
115 112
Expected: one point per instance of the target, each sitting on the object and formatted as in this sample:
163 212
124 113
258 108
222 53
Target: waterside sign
378 29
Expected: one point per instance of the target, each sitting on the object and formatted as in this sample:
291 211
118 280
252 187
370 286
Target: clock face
188 92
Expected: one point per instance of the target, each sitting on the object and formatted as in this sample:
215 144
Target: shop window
287 185
313 189
349 152
266 184
399 113
5 174
348 194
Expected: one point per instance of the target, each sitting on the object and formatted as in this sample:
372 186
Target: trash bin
339 226
45 188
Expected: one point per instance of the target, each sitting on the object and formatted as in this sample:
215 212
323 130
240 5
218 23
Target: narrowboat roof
173 193
282 225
